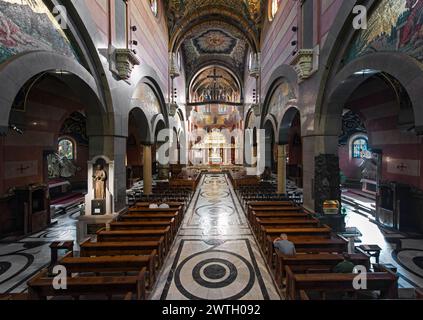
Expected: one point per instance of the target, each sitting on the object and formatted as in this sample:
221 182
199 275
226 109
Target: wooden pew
40 287
292 233
285 222
151 217
277 215
135 235
385 282
308 245
321 261
172 205
92 249
112 264
138 225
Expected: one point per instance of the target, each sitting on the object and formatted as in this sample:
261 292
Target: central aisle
215 256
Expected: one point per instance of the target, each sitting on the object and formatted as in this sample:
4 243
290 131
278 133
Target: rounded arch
158 125
282 74
410 76
286 72
155 86
286 124
138 120
270 123
12 79
215 64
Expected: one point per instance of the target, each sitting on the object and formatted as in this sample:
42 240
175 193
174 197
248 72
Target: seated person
153 206
285 246
164 206
345 266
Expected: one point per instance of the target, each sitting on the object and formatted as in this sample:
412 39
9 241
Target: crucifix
21 169
215 77
401 167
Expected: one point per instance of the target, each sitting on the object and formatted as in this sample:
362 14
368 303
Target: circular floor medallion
214 275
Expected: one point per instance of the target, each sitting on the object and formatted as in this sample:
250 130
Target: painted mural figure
413 23
100 178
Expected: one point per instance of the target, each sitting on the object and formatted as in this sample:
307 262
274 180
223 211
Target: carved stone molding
125 60
303 63
172 108
326 180
256 109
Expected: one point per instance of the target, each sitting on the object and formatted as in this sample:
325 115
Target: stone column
147 170
163 169
281 169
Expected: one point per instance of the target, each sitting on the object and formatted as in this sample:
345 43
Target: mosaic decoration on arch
394 25
28 25
282 99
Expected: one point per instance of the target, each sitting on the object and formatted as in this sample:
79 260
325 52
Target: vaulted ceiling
218 32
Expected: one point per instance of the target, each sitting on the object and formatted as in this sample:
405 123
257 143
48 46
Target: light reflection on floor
372 234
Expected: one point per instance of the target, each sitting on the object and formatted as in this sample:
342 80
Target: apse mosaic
394 25
28 25
282 99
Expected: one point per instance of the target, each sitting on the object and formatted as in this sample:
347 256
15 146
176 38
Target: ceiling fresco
250 10
214 41
214 31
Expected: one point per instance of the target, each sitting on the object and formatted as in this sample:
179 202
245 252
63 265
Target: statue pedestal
88 225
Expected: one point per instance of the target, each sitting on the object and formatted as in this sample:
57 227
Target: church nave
215 255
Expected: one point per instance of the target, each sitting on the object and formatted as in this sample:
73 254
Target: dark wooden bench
92 249
112 264
40 287
318 232
277 215
139 225
385 282
135 235
308 245
282 223
151 217
325 262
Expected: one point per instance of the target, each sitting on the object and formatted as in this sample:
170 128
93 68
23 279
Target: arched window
359 147
66 149
154 7
273 8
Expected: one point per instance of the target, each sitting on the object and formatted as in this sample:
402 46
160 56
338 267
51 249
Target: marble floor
21 260
215 255
403 251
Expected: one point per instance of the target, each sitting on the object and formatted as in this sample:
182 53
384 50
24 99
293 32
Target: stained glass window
66 149
359 146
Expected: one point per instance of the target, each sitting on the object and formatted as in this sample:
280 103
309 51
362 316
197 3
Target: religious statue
100 178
